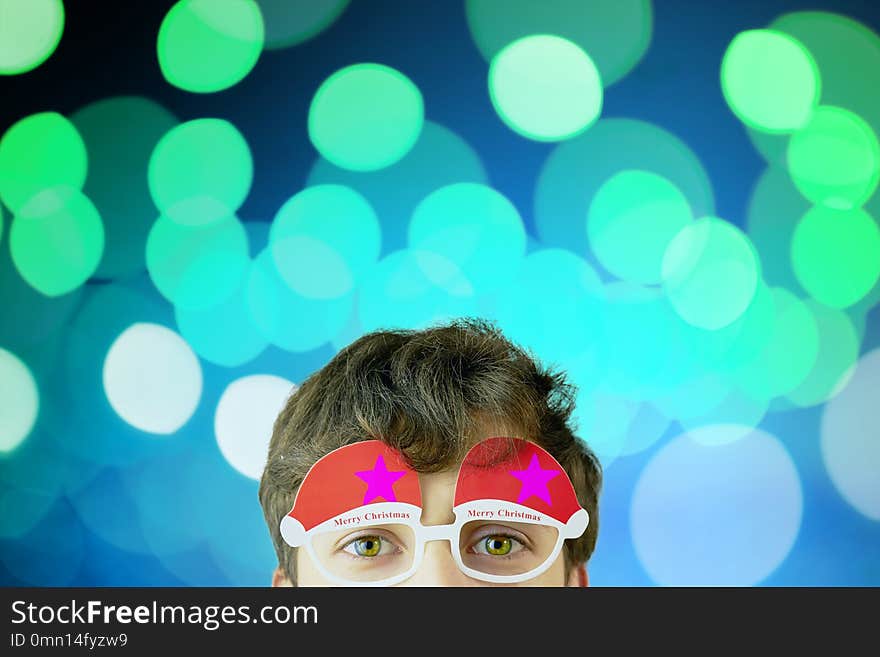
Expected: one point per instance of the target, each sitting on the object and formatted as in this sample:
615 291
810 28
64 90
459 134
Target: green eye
498 545
367 546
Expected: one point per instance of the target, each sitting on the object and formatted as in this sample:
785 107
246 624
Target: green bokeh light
775 208
631 220
19 400
196 267
365 117
789 354
616 33
57 240
324 239
200 171
771 146
545 87
290 22
838 351
413 289
289 320
29 33
475 227
37 318
120 134
576 169
770 80
745 339
439 158
710 272
836 255
835 159
848 56
209 45
39 151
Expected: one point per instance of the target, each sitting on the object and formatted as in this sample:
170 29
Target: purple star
380 481
534 481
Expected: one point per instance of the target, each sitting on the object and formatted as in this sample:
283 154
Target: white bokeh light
244 418
710 511
19 401
152 378
851 437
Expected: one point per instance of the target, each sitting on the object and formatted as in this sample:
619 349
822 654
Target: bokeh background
673 201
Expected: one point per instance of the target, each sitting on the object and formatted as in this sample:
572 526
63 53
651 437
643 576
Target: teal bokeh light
558 326
37 317
838 351
366 117
775 208
200 171
710 272
120 134
576 169
51 553
223 334
475 227
324 239
545 87
291 22
789 354
83 425
439 158
57 240
632 218
616 33
196 267
287 319
413 289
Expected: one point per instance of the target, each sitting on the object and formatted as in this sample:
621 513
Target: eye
369 546
497 545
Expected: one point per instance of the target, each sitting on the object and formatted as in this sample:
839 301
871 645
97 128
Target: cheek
307 574
553 576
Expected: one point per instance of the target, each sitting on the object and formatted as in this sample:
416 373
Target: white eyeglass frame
293 534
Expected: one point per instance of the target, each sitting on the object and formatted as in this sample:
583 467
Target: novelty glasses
358 514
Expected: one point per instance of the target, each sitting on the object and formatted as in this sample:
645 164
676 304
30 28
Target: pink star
380 481
534 481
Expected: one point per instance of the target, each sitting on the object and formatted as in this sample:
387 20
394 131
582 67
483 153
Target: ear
279 577
578 577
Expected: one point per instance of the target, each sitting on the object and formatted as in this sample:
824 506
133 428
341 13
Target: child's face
437 567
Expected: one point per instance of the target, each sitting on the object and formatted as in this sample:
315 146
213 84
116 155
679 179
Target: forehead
438 493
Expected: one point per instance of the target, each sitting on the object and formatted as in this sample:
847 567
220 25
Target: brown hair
430 394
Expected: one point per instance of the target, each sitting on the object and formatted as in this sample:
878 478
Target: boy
430 398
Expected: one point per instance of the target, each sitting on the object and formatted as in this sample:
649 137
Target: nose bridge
438 532
438 566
